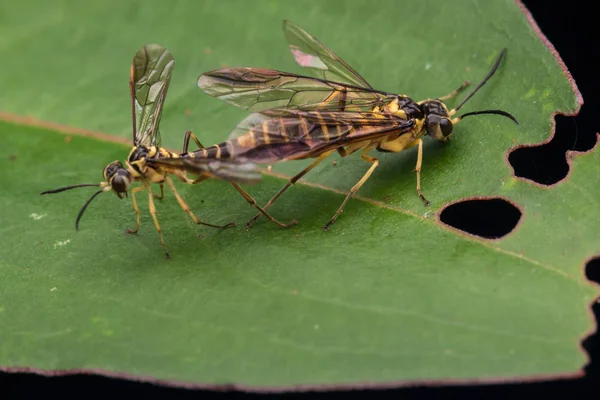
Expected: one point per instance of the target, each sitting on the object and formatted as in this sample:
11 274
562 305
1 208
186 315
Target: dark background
572 27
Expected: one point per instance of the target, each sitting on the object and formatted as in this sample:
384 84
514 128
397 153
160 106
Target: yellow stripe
204 153
304 128
218 151
247 140
338 127
323 127
265 129
283 132
231 148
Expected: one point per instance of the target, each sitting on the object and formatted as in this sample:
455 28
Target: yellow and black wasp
150 163
298 117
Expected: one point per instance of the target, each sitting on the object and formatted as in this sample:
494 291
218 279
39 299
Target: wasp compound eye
120 181
446 126
119 184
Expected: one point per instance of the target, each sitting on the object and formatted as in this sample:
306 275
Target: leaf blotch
488 218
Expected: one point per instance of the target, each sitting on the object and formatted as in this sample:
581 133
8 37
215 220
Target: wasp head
118 178
437 120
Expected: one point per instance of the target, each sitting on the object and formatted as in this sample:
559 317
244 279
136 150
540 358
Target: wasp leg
249 199
253 202
186 141
292 180
457 91
152 208
419 143
198 180
162 192
367 158
186 208
136 209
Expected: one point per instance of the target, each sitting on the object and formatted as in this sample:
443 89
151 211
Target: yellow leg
200 179
252 202
162 193
419 143
186 208
136 209
152 208
186 141
457 91
367 158
293 180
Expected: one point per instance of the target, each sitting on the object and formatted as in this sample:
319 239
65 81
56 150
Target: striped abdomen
265 138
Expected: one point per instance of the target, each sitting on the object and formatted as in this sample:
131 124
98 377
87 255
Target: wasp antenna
87 203
497 112
62 189
484 81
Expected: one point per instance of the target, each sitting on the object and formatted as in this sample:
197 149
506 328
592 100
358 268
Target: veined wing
310 53
149 81
258 89
240 171
276 135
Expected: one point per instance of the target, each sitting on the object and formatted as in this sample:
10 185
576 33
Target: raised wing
277 135
240 171
310 53
258 89
149 81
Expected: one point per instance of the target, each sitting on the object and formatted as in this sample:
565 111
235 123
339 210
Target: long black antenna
62 189
498 112
484 81
87 203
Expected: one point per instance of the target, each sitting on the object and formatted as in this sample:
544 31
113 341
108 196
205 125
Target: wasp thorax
118 177
137 160
437 121
138 153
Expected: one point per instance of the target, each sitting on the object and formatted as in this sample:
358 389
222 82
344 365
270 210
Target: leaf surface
389 294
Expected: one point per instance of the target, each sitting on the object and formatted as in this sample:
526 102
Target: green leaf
389 294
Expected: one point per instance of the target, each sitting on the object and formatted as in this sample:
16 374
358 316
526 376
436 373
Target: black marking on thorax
139 153
410 107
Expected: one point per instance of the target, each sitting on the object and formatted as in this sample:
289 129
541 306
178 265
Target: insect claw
326 227
425 201
131 231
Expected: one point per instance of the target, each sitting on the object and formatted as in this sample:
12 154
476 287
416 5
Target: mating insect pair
150 163
293 117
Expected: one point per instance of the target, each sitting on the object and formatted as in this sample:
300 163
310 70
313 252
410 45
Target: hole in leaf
490 218
546 164
591 343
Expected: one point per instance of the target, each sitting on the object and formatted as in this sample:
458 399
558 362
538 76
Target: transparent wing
240 170
149 81
258 89
310 53
276 135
